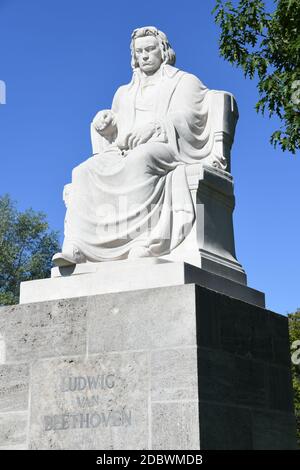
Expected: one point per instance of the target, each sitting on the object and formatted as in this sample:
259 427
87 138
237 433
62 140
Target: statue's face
148 54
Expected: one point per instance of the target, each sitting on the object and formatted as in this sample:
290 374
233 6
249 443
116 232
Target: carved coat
119 202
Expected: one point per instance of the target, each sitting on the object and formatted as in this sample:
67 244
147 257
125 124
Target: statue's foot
68 258
139 252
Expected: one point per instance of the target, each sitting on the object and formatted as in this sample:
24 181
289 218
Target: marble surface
132 198
145 273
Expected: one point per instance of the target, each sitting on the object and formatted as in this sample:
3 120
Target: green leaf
265 45
26 248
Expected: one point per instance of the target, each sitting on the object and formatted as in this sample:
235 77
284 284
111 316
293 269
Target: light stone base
120 276
178 367
210 244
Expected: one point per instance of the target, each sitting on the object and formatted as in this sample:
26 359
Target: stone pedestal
178 367
210 244
126 275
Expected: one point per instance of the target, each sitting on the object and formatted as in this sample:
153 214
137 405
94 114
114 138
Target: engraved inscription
87 420
83 385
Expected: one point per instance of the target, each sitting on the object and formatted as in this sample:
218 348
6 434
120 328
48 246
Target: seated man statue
131 198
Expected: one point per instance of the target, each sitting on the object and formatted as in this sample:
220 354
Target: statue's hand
141 135
105 123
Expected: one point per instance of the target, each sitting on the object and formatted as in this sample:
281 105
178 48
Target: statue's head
150 49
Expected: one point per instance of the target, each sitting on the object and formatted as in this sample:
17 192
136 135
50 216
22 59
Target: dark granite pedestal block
245 394
179 367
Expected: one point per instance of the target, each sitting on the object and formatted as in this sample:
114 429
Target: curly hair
167 52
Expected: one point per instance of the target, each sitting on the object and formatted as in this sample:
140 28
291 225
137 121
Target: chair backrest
224 116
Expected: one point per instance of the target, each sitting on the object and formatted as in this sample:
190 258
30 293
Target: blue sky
62 62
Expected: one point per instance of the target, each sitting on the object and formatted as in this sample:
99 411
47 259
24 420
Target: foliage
267 45
26 248
294 329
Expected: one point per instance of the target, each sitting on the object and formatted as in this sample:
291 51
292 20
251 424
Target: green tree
266 45
26 248
294 329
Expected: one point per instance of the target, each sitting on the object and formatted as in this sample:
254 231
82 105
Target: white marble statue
131 198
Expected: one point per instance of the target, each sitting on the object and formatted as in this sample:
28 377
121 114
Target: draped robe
141 197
